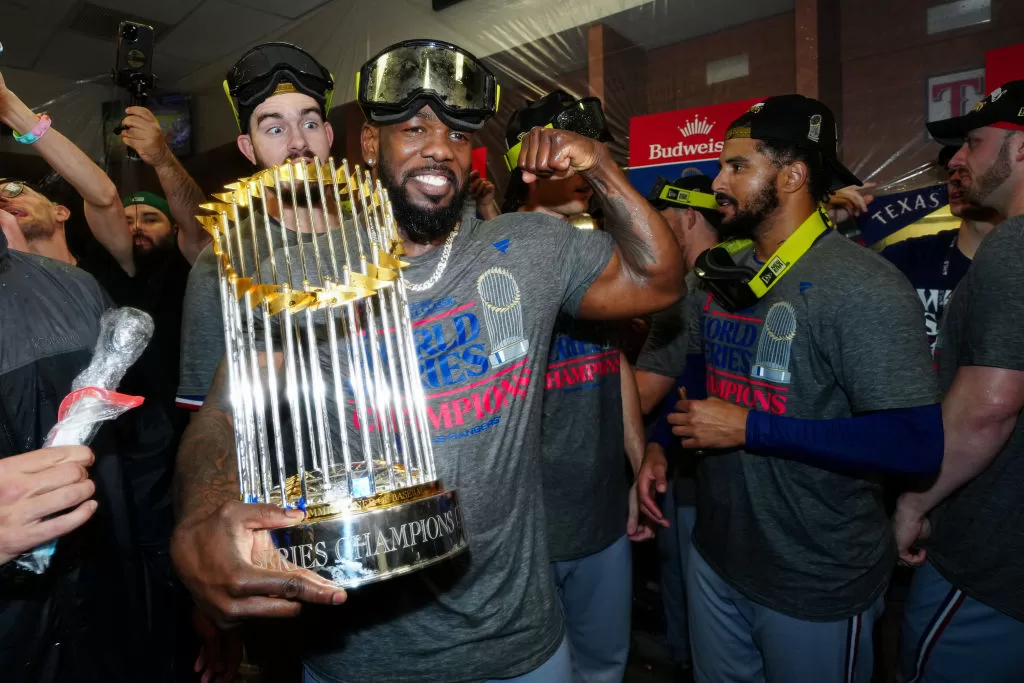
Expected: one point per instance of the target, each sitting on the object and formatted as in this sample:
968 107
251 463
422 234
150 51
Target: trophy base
357 548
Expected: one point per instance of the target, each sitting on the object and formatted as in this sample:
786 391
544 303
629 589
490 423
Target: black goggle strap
512 155
328 99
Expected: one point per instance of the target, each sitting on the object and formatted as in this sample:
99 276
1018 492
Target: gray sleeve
583 255
995 311
202 331
675 334
878 347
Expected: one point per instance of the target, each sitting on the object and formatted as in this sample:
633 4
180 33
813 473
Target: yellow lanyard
786 256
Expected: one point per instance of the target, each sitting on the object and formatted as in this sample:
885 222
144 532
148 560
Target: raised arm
142 133
645 272
103 209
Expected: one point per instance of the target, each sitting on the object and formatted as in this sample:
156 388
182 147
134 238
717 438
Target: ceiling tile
162 11
664 23
292 9
36 23
23 47
218 28
78 57
169 69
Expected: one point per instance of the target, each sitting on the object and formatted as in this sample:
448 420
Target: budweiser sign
682 136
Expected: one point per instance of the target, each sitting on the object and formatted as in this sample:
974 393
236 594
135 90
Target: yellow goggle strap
690 198
786 256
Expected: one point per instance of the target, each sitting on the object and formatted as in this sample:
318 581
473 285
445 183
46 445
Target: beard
37 230
746 219
148 252
992 178
422 226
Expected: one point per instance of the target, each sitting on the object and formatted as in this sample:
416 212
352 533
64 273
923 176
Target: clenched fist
557 154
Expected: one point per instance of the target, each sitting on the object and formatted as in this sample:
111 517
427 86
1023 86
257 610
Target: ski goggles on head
10 188
586 118
664 196
392 86
274 68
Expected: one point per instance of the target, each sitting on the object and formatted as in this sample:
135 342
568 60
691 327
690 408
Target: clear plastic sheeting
879 65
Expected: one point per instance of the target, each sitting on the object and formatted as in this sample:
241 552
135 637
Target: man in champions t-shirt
934 264
964 617
818 376
493 613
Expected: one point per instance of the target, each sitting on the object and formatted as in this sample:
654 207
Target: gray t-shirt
584 464
978 534
840 334
482 335
202 329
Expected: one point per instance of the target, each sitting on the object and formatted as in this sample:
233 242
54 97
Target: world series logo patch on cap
814 132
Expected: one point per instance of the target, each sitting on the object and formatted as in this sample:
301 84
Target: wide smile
434 184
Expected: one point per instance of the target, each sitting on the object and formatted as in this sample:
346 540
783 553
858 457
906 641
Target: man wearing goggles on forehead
484 297
819 379
280 97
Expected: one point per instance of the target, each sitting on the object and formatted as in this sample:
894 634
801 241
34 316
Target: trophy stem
273 383
241 458
339 396
292 390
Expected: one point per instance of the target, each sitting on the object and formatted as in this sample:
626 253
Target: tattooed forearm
184 197
631 223
206 474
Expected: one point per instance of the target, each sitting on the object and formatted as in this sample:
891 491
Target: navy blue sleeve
900 441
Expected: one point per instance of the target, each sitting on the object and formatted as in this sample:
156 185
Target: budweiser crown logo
697 126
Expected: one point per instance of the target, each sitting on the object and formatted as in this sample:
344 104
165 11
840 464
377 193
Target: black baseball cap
801 121
1003 108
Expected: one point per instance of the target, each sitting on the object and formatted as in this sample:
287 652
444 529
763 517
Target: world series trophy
329 410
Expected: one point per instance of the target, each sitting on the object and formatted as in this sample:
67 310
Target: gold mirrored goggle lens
10 190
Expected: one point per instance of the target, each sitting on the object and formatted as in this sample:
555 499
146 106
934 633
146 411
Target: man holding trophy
415 357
